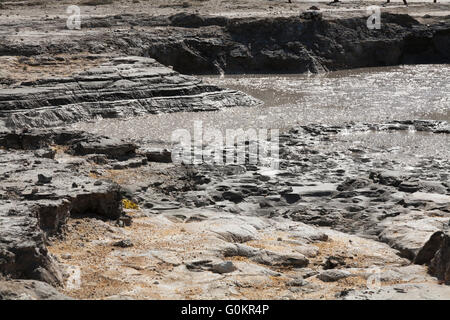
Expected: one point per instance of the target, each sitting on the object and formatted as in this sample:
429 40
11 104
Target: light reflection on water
362 95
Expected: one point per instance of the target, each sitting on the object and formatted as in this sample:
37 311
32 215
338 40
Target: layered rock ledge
122 87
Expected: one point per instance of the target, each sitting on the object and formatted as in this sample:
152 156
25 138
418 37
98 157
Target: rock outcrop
440 264
123 87
37 196
23 253
297 44
199 44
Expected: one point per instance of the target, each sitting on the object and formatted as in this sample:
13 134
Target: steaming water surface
362 95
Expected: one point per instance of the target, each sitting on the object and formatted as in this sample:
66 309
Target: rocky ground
91 217
330 223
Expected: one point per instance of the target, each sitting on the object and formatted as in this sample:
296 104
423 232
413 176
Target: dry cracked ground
86 216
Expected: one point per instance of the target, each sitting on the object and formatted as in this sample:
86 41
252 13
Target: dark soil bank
301 44
196 44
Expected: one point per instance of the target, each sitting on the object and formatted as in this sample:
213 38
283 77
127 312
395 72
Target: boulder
440 264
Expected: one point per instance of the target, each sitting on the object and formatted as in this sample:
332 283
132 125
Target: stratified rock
126 86
78 143
204 44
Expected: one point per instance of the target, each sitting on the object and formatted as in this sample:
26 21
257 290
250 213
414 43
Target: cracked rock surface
327 224
243 226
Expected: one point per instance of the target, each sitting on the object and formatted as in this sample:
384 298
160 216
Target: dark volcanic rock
311 15
44 179
104 200
440 264
195 21
428 251
296 44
